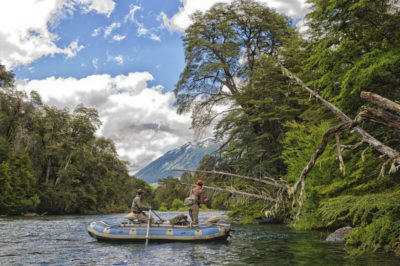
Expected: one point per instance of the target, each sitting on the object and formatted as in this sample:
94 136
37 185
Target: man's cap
200 182
139 191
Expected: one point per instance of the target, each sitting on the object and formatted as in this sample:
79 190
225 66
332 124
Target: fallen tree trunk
379 146
393 155
381 102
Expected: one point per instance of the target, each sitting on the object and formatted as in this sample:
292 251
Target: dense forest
290 141
52 162
286 156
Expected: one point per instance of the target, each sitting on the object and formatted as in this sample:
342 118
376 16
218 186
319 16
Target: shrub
176 204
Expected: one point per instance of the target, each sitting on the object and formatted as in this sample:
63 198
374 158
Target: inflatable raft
136 232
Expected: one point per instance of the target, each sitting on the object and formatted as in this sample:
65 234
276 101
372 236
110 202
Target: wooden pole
148 229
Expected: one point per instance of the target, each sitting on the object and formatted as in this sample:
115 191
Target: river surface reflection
63 240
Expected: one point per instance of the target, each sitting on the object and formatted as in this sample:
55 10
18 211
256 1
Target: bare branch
351 147
266 180
391 153
341 162
381 117
236 192
320 150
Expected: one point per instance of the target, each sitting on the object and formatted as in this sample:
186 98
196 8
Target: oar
148 228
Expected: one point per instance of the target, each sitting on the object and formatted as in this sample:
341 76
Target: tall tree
221 47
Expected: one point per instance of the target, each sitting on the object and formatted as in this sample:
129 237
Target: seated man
138 208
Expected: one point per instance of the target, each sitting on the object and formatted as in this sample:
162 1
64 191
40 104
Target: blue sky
122 57
121 49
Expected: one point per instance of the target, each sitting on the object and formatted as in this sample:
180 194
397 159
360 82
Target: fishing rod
158 216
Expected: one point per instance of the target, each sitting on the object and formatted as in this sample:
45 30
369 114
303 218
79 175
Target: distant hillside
187 156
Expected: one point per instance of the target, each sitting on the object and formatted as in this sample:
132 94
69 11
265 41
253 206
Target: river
63 240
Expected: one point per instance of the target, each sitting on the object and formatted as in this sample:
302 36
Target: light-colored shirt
137 205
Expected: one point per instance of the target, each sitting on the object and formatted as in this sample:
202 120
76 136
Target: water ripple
63 240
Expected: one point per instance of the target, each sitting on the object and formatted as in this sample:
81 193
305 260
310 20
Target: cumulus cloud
141 120
100 6
24 28
181 20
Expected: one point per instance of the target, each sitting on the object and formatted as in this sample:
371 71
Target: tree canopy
275 133
52 162
221 47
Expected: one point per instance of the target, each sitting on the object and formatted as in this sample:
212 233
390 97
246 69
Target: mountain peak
187 156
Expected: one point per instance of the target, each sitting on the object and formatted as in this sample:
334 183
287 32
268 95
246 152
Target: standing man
138 208
199 194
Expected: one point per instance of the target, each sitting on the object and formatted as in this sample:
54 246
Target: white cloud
110 28
119 59
96 32
24 28
73 49
155 37
131 15
100 6
180 21
119 37
139 119
94 63
142 30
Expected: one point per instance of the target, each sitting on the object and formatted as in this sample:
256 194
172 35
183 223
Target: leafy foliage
216 44
51 161
273 129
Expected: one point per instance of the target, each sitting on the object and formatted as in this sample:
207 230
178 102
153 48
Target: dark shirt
197 191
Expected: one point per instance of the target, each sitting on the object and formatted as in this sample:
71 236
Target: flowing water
63 240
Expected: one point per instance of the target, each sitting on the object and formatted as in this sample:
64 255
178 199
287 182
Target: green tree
6 196
257 128
168 190
51 160
221 47
6 77
352 46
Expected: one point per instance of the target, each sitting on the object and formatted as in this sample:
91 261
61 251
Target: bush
163 209
176 204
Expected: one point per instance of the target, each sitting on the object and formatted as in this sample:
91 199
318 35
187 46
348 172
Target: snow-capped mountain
187 157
